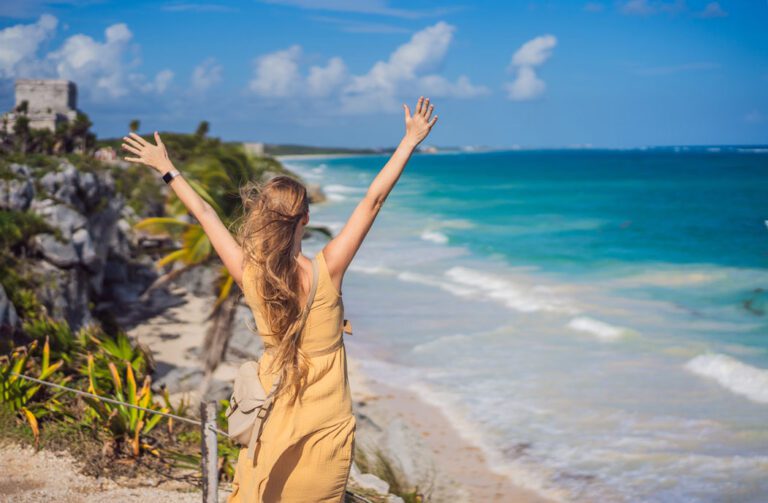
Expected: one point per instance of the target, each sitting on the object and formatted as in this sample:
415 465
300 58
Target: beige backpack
249 405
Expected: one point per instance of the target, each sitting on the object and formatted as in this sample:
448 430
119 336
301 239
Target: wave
535 478
345 189
372 269
423 279
513 296
439 342
732 374
600 329
434 237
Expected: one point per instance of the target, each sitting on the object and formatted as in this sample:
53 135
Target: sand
27 476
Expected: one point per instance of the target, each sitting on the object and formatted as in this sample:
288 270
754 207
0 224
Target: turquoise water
596 321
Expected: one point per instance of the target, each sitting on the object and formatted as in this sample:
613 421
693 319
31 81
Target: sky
614 73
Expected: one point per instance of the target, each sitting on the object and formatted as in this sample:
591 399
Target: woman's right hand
152 155
418 126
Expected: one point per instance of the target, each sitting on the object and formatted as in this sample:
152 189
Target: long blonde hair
272 213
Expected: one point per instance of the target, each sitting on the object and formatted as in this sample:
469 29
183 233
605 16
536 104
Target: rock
58 253
60 216
316 194
90 189
16 193
9 319
66 294
177 379
62 185
86 251
405 448
244 343
199 280
368 481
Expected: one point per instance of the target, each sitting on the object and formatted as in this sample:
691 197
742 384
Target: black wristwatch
170 175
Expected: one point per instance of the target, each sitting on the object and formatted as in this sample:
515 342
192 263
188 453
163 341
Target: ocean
595 320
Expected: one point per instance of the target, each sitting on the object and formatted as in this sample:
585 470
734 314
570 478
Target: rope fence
209 440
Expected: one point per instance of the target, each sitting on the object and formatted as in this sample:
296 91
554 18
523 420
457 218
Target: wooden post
210 457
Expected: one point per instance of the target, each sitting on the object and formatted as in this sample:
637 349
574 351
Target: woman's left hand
152 155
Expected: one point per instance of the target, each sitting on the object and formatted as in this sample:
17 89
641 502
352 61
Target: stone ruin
49 102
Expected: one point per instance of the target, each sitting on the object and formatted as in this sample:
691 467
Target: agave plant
18 394
121 421
117 349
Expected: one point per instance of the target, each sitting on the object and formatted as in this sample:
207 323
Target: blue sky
335 72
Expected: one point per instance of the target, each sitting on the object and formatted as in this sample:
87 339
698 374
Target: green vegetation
68 137
289 149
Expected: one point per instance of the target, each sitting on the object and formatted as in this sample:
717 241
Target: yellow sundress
305 450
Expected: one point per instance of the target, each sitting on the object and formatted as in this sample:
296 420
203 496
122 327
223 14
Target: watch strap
170 175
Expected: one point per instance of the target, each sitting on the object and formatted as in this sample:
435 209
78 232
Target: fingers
429 112
407 111
419 104
425 108
134 159
133 143
157 138
138 138
131 148
432 122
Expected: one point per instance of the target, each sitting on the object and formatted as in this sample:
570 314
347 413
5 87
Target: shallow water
596 321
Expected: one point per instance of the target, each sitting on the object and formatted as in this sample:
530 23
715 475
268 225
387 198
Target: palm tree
216 176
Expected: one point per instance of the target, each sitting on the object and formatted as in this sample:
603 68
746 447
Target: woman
306 447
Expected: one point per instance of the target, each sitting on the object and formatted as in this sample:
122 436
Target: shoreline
462 471
295 157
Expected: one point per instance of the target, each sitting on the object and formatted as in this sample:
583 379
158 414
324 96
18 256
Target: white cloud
101 68
323 80
19 45
206 75
277 74
647 7
438 86
527 85
535 51
100 64
409 70
375 7
712 10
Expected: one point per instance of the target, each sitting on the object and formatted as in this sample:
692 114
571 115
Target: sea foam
732 374
600 329
434 237
526 300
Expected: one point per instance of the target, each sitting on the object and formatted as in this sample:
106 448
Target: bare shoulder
333 266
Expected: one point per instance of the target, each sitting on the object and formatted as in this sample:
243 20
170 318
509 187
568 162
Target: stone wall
49 102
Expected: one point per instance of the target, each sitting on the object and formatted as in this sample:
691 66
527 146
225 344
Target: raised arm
340 251
225 245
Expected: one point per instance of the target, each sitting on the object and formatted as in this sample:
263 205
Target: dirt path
27 476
